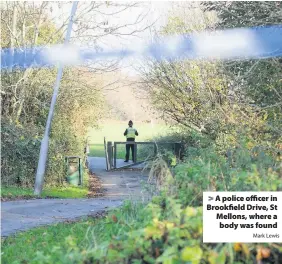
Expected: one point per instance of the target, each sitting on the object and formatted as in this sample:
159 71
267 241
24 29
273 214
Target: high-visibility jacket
130 133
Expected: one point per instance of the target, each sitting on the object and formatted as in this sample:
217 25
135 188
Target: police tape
230 44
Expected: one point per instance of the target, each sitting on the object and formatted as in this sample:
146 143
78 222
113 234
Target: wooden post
110 154
112 164
80 172
115 155
106 155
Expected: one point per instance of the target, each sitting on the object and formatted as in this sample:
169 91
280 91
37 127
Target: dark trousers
128 147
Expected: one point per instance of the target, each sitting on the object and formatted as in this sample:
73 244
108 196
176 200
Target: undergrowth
169 228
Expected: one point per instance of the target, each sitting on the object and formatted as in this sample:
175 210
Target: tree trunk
12 35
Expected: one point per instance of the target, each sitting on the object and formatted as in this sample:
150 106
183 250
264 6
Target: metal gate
111 149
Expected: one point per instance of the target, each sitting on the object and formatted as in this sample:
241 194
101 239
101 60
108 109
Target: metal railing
111 152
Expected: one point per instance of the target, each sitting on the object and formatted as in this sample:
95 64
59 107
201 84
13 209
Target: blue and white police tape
242 43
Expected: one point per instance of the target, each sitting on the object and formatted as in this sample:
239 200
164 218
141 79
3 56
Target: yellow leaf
237 247
152 231
212 257
169 225
200 229
190 211
265 116
155 221
259 255
250 145
192 254
265 252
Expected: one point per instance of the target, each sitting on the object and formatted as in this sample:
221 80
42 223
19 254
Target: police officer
130 134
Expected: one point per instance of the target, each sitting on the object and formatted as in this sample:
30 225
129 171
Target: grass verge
14 193
67 191
89 232
22 247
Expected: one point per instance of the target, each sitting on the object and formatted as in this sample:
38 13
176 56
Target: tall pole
39 180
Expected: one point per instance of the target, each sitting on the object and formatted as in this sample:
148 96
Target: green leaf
221 257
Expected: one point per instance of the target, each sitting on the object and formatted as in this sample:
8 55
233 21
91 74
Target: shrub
23 130
206 170
20 151
167 232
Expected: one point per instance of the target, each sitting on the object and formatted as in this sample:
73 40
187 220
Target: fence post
106 154
110 154
112 157
115 155
80 172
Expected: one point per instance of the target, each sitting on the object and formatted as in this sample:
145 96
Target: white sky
157 11
156 14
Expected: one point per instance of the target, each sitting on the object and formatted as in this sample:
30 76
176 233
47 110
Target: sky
155 12
158 14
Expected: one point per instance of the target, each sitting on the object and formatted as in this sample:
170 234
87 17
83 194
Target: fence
140 155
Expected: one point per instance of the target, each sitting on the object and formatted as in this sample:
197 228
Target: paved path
119 185
25 214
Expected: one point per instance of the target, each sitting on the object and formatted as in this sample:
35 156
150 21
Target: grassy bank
10 193
64 191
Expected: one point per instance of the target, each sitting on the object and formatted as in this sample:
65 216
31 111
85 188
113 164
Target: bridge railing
112 152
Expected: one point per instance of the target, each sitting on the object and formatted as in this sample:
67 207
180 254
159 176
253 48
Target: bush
20 151
23 130
205 170
165 232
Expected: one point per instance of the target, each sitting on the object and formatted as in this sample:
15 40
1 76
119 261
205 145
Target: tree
234 14
219 99
186 92
26 93
259 81
261 78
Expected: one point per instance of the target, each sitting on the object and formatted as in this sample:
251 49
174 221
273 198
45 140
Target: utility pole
39 180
